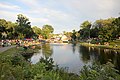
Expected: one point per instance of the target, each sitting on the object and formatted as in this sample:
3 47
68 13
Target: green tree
116 24
24 27
37 31
85 29
68 34
73 35
47 30
7 29
11 30
85 24
106 29
2 27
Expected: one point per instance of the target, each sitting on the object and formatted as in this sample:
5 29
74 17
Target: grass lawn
10 52
112 45
115 42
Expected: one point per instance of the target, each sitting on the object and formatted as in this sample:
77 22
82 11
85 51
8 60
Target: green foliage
116 24
99 72
13 66
37 31
18 60
48 62
107 29
85 29
47 30
24 29
86 24
96 41
73 36
7 29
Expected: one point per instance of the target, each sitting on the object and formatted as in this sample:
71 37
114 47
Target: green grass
10 51
112 45
115 42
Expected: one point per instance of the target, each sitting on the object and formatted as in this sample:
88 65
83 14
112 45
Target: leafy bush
17 59
99 72
48 62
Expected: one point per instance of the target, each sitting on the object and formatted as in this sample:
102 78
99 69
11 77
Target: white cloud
39 21
9 6
62 14
94 9
10 16
30 3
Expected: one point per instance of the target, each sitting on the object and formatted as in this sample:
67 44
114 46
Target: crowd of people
5 43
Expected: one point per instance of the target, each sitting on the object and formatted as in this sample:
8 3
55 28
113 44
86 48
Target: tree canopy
104 29
22 29
47 30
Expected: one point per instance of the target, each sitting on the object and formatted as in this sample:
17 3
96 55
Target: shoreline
100 46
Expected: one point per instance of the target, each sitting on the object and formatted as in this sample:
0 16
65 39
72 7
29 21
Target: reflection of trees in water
73 47
100 55
47 50
84 52
115 58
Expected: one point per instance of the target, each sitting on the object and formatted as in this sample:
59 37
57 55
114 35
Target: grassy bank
112 45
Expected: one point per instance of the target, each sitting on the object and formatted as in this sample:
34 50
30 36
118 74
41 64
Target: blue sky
63 15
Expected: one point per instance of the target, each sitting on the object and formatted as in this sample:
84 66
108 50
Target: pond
74 56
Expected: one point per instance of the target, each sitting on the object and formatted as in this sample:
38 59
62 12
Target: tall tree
116 24
7 29
85 25
37 31
24 28
3 25
11 30
73 35
106 29
85 29
47 30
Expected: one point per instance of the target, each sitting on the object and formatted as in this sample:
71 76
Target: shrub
99 72
49 63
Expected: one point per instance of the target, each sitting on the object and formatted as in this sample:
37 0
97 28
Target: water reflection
75 56
99 55
73 47
84 52
47 50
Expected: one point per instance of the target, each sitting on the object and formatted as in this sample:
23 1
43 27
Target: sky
63 15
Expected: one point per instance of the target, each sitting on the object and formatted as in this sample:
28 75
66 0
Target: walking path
2 49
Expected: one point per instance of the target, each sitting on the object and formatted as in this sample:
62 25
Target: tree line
22 29
102 30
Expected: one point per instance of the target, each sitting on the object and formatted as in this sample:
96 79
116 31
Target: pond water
74 56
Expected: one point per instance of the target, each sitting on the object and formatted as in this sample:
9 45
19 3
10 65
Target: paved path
2 49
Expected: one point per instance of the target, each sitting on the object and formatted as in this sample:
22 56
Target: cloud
10 16
92 9
9 6
30 3
38 21
64 15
